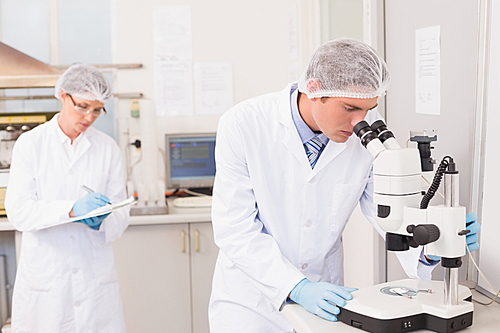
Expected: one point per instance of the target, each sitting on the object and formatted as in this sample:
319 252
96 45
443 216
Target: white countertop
485 319
175 215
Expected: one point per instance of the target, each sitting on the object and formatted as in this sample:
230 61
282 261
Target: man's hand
471 238
321 298
474 228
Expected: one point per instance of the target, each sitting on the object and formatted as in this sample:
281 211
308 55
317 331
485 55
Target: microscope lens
380 128
364 132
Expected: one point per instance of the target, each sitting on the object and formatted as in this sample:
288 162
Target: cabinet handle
197 238
183 241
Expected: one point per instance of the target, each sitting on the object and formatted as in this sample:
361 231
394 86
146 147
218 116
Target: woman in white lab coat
276 219
66 279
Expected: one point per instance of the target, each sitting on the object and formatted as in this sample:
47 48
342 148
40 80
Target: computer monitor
190 160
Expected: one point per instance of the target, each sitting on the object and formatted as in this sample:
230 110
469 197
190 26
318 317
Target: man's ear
313 85
62 94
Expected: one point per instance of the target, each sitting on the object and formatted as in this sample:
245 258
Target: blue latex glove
474 229
321 298
435 258
88 203
94 222
471 237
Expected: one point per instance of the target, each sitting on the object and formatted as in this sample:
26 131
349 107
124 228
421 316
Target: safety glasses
96 113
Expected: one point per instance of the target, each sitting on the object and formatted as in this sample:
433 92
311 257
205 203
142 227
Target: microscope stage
406 305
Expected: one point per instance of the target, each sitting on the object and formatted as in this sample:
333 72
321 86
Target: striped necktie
313 148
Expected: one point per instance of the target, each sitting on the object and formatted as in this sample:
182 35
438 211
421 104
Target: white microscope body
403 213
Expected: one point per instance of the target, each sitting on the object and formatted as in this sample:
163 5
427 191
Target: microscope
403 212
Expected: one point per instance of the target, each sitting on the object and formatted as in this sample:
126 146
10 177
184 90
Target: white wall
489 244
340 18
253 36
455 124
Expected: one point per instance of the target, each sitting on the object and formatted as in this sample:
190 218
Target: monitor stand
202 190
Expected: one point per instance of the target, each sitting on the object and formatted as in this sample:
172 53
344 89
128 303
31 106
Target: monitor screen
190 160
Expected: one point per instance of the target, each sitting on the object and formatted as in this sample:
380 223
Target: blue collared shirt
305 132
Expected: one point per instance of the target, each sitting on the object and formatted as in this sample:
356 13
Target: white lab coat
275 220
66 278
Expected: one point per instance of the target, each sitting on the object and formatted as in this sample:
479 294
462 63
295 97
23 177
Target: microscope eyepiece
380 128
364 132
361 126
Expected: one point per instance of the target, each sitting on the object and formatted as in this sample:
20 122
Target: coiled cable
436 181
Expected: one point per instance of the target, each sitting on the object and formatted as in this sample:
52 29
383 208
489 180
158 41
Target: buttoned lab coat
275 219
66 278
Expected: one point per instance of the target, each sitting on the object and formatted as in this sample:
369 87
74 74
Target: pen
88 189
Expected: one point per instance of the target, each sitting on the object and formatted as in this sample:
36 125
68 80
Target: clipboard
103 210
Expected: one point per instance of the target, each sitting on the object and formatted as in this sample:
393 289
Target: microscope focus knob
424 233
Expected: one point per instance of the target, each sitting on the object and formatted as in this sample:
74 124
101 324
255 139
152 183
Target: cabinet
165 273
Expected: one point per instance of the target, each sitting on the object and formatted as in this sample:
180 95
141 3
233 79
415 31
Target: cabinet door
153 270
203 257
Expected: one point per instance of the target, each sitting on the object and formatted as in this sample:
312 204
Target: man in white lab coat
66 278
289 175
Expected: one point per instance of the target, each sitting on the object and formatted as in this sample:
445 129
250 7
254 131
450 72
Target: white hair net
345 68
84 81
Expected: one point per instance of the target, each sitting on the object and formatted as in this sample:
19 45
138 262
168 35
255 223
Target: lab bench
165 265
485 319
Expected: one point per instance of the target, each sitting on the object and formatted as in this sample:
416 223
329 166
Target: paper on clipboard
103 210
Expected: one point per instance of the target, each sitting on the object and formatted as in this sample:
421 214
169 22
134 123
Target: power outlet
135 153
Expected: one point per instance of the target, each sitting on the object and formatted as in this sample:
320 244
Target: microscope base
387 308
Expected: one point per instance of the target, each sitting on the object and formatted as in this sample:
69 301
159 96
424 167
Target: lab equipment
409 221
203 201
345 68
88 203
84 81
321 298
11 127
146 185
190 160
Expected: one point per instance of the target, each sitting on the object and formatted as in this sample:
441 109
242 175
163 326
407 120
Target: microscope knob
424 233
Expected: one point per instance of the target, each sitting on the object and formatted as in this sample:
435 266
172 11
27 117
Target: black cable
435 182
173 194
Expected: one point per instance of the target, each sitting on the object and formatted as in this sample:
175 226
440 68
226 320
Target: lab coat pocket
345 199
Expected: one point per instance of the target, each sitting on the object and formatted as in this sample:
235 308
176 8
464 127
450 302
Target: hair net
84 81
345 68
